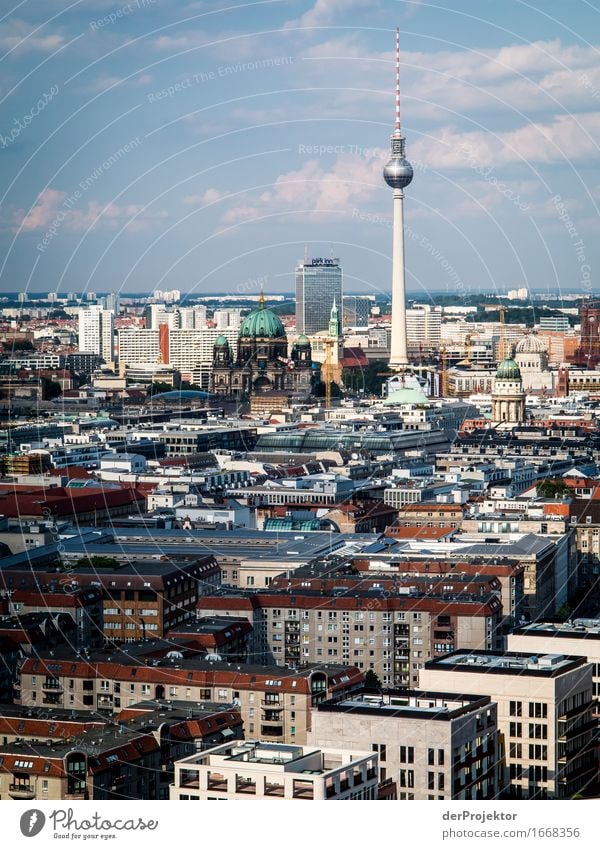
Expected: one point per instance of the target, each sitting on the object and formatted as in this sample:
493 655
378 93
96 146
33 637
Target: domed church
262 363
508 398
532 358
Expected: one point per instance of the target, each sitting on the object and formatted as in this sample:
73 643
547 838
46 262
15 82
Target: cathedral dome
530 344
221 342
262 324
508 370
302 340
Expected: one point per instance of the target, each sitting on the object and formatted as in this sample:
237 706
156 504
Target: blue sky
200 146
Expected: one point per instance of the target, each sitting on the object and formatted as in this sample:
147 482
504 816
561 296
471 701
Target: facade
432 745
275 704
545 715
393 634
257 770
138 345
318 285
97 332
262 365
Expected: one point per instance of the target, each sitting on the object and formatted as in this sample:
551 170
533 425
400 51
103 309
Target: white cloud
317 188
52 208
567 138
325 11
18 36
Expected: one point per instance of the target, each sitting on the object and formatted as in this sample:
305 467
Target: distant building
318 285
423 326
554 322
97 332
357 309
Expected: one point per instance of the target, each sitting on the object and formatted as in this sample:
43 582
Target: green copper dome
221 341
262 324
302 340
508 370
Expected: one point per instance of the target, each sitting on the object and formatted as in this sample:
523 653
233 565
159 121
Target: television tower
398 173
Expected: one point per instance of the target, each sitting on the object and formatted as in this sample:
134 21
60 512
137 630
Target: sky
201 146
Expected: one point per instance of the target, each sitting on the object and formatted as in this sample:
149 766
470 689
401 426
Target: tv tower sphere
398 172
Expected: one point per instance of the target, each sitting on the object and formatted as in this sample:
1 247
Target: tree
553 489
372 680
158 387
50 389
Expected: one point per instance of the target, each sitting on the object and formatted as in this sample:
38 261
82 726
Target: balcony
21 791
271 731
52 685
272 705
245 785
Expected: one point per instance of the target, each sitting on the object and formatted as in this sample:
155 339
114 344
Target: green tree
553 489
50 389
372 680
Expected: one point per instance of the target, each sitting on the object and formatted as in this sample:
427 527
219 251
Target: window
538 710
407 754
516 709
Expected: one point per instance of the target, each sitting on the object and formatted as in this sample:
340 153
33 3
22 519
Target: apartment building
275 703
433 745
390 632
141 599
83 604
545 715
62 755
508 572
267 771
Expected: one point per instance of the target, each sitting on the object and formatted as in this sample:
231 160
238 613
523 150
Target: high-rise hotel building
318 286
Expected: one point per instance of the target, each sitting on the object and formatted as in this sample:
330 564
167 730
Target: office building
318 285
256 770
357 309
432 745
97 332
545 715
423 326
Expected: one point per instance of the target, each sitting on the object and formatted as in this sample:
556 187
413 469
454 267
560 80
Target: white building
423 325
97 332
228 319
138 345
271 771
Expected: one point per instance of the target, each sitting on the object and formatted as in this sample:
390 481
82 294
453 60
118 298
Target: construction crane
444 372
501 311
327 371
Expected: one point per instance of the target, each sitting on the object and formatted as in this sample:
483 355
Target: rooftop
507 662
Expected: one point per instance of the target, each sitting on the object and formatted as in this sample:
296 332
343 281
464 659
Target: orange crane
327 371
